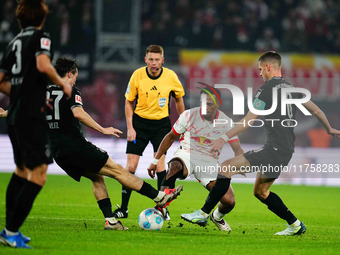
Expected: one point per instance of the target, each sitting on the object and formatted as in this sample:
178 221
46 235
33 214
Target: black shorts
30 142
268 160
87 158
148 130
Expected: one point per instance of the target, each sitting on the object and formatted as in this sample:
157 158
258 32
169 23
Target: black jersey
28 85
65 130
280 135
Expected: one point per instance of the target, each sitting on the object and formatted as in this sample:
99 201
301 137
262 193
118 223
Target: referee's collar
151 77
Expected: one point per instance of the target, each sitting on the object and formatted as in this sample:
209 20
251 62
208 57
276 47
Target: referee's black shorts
30 142
268 160
147 130
85 158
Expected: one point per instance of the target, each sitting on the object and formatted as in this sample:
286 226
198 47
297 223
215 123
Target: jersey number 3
17 47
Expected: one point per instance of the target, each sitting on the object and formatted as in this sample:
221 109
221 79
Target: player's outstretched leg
104 202
276 205
116 171
176 170
227 203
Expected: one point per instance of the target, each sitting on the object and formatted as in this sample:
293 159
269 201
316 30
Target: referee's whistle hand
131 135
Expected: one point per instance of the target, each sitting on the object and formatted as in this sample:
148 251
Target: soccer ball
150 219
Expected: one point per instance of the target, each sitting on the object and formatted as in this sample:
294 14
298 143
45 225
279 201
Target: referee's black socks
160 178
126 194
216 193
276 205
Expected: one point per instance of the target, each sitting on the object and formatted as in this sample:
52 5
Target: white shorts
204 168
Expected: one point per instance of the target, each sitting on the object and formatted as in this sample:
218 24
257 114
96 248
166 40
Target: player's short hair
65 65
205 89
271 56
154 49
31 13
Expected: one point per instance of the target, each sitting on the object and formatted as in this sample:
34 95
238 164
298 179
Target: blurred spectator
294 37
5 34
267 42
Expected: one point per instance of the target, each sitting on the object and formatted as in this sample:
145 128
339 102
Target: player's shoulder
169 72
41 33
76 89
222 115
140 71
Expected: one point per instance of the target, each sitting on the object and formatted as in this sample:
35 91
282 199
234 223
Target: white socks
296 223
10 233
217 215
159 197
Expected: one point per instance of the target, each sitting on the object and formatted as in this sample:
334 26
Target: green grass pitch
66 220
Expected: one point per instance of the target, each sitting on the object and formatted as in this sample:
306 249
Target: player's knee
174 168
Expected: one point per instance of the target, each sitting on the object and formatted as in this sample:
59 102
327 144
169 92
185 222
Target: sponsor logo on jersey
162 101
78 99
128 89
45 43
201 140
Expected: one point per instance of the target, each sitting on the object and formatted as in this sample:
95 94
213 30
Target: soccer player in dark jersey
79 157
276 152
151 87
24 72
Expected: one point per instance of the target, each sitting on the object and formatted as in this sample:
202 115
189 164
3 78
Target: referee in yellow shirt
151 87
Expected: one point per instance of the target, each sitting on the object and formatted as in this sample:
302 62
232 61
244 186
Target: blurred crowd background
287 26
304 26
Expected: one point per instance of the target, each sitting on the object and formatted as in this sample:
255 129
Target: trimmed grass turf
66 220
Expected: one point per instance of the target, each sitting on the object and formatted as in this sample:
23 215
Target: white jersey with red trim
198 134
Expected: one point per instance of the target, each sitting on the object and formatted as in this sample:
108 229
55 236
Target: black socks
216 193
106 207
276 205
23 205
148 190
13 189
160 178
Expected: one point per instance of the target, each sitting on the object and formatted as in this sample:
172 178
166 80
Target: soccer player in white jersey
197 130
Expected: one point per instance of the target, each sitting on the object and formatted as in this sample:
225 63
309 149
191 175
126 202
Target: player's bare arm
236 147
322 118
166 143
45 66
180 105
86 119
131 132
5 86
3 113
237 129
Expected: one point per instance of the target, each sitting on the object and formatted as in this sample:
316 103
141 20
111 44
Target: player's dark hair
210 91
65 65
31 13
155 49
271 56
